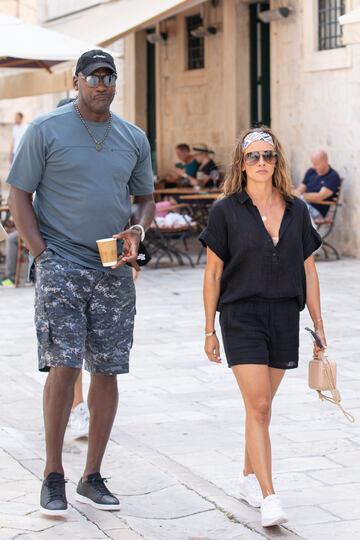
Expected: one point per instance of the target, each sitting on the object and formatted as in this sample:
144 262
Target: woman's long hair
235 180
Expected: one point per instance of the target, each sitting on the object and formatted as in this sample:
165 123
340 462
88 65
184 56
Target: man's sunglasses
254 157
94 80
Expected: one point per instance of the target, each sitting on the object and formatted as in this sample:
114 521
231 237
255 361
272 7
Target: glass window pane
195 45
329 29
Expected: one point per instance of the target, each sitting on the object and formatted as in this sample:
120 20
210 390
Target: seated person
207 173
320 183
186 165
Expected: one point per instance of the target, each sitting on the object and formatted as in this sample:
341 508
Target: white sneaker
272 512
250 490
79 421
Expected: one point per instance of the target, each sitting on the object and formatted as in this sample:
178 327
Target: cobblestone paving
176 449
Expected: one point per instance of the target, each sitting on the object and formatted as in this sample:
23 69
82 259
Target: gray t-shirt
82 195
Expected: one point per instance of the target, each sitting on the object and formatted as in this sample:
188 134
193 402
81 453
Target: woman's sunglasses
94 80
252 158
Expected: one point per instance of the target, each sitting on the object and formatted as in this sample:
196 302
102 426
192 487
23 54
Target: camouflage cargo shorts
82 315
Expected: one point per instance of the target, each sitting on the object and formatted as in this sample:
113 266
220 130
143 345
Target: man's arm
20 204
318 197
144 216
300 190
145 211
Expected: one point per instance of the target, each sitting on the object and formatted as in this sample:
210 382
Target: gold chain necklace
98 144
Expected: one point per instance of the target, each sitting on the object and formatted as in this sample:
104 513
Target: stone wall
208 105
24 9
315 104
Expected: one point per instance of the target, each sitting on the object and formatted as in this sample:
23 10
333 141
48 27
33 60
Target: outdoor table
206 197
200 205
177 192
184 191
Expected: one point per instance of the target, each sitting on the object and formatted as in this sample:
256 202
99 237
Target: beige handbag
322 377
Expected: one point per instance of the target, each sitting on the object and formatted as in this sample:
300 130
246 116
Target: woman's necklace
98 144
263 214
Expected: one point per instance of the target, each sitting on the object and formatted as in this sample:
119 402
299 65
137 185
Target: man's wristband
139 228
209 334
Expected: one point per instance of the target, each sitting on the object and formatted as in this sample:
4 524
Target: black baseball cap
92 60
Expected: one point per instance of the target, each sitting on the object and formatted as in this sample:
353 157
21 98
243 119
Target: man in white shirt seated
18 131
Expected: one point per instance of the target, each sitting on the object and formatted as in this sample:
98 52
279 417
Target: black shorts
261 332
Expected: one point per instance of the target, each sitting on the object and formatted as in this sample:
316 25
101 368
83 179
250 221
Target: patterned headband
257 136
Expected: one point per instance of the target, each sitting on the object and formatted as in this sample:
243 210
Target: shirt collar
243 196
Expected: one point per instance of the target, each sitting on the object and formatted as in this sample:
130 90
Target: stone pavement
176 449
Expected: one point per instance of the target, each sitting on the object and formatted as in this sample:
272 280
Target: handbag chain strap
335 399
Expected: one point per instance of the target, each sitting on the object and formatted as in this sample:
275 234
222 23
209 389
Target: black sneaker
53 498
94 492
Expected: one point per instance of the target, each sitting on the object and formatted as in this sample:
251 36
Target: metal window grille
195 45
329 30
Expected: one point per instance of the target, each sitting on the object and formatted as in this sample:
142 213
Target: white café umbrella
25 45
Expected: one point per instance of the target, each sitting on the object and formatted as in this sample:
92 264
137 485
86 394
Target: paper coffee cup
108 251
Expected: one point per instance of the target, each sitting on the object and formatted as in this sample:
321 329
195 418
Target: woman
260 273
207 172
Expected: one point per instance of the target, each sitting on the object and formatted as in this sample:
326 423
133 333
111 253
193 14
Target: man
79 415
185 167
320 184
17 133
83 162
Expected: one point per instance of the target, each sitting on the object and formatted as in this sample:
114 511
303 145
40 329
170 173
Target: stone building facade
251 72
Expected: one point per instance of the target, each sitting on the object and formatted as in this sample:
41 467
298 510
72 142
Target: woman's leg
78 391
257 399
276 376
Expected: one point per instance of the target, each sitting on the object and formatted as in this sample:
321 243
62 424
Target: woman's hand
212 349
319 330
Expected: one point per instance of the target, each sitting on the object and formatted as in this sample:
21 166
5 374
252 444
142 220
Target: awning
35 82
102 24
107 22
25 45
351 27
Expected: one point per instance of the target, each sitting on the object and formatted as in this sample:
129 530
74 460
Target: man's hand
318 196
131 241
300 190
179 171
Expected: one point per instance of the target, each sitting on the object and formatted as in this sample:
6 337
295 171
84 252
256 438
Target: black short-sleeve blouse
253 266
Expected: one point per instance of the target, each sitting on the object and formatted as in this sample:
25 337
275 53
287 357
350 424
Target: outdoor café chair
326 224
163 241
